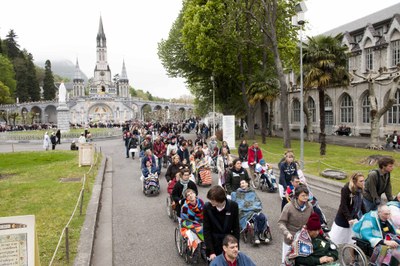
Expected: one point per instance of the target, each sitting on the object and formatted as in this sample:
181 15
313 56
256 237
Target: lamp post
299 21
213 85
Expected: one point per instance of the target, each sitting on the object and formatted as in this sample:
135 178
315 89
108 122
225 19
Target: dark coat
217 224
232 182
172 170
177 194
344 213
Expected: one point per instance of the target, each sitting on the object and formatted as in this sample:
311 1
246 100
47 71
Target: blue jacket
242 260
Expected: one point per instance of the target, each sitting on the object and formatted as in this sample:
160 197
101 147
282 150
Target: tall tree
11 46
33 83
21 76
375 113
49 89
325 66
7 80
272 19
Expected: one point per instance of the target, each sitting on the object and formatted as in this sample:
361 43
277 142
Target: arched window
311 108
395 48
366 107
296 111
328 111
394 112
346 109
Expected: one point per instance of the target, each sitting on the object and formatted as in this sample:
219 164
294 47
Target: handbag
133 150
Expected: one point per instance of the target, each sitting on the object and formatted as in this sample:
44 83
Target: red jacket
159 149
252 153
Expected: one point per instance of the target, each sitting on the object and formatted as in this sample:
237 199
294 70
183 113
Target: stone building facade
373 42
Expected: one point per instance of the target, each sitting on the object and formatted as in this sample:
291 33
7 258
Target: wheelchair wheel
255 181
169 207
266 235
353 255
179 242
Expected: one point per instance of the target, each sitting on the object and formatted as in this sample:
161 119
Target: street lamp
299 21
213 85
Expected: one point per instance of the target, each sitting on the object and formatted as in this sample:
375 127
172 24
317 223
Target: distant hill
64 68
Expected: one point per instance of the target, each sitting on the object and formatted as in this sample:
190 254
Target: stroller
151 185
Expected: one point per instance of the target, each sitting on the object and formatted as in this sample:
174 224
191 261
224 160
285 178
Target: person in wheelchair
191 225
178 193
250 208
311 246
263 170
377 228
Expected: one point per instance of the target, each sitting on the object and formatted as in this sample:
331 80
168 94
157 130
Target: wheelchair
171 212
248 233
183 250
356 254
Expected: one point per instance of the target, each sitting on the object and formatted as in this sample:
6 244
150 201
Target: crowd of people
214 227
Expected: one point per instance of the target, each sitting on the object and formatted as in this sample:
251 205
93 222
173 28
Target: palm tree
261 92
325 66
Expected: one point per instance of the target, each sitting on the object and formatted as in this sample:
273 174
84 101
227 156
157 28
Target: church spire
123 76
101 36
77 73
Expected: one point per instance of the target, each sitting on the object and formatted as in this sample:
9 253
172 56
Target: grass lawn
30 184
347 159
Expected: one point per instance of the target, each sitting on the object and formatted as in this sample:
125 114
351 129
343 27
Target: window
296 110
395 48
328 111
394 112
346 109
311 108
369 59
365 106
358 38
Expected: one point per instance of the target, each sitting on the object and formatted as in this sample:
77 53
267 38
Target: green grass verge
347 159
30 185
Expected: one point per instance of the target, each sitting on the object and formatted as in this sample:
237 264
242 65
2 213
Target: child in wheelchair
251 219
151 184
266 176
191 225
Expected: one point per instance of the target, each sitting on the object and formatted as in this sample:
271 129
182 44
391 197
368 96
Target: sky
58 30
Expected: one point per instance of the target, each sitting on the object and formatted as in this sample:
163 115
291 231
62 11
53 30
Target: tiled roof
361 23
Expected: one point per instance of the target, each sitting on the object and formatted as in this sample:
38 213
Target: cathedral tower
102 74
123 82
78 88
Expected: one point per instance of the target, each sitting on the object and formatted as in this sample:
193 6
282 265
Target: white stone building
373 42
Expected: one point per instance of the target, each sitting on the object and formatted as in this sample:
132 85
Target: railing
79 203
17 136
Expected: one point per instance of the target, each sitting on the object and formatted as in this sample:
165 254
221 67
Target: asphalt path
143 234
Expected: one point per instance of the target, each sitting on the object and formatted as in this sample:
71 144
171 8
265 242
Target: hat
262 161
313 222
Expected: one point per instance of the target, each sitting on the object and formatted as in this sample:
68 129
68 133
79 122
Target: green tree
7 80
11 46
49 89
4 94
21 74
33 82
325 66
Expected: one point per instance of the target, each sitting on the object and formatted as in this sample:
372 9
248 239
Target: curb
87 235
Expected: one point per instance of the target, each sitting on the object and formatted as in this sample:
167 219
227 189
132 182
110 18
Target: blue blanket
249 204
369 228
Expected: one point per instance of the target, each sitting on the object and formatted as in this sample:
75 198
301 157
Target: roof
361 23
